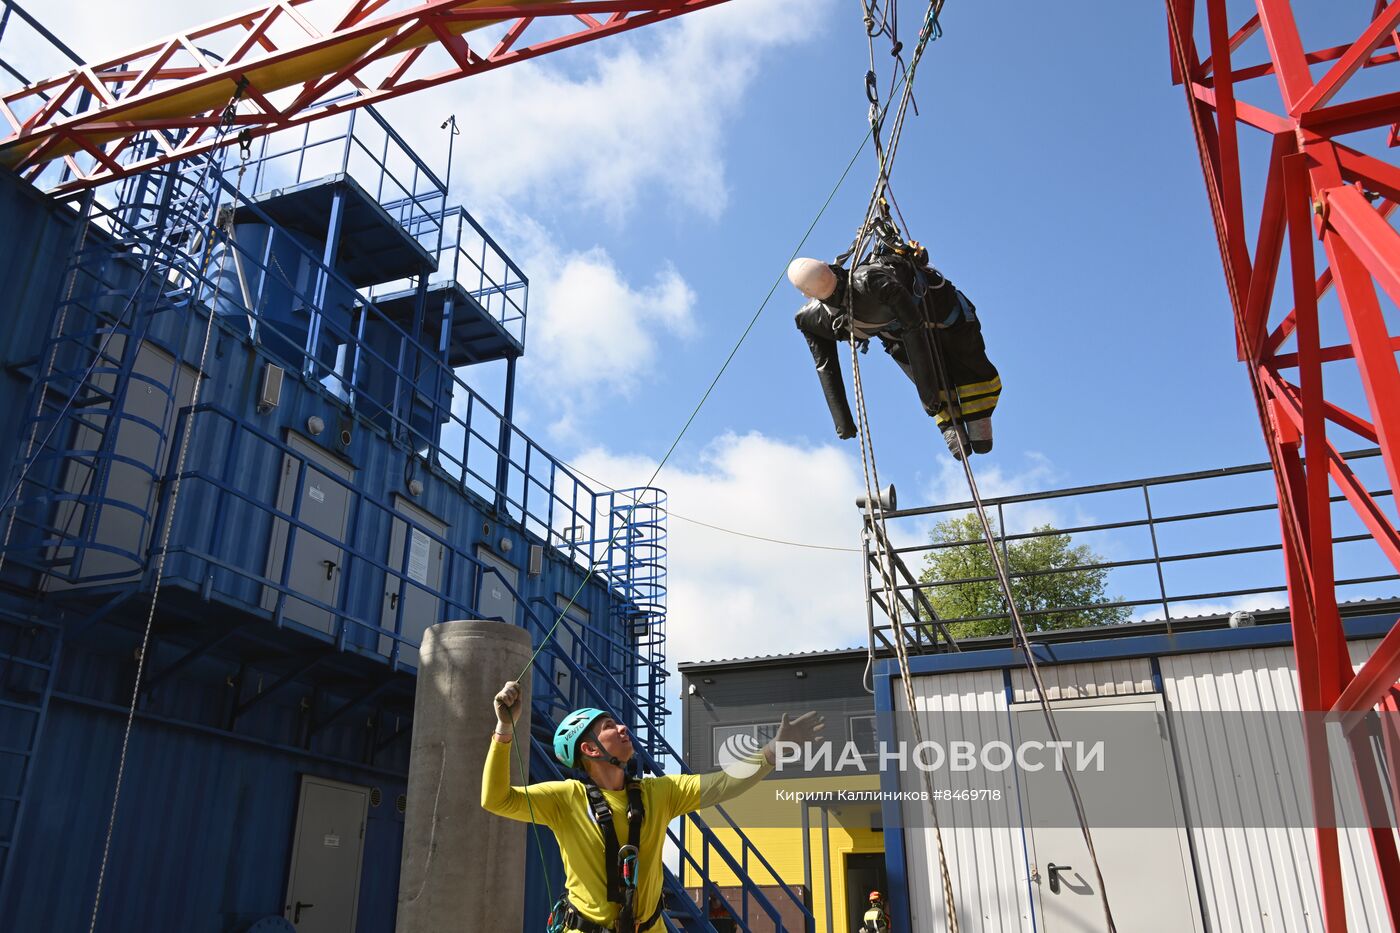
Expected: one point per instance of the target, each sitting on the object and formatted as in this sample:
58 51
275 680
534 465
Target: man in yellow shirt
612 887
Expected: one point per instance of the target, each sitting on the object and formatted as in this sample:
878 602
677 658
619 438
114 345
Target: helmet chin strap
610 759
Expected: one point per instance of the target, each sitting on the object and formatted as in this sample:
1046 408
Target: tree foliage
1073 586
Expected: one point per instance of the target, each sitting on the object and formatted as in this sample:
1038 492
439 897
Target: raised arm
697 791
537 803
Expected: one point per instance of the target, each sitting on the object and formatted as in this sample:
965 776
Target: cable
230 112
869 469
728 531
593 567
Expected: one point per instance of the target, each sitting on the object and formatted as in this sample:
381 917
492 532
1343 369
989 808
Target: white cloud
949 484
732 596
607 121
1256 602
593 334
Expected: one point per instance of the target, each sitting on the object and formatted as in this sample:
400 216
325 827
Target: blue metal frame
152 245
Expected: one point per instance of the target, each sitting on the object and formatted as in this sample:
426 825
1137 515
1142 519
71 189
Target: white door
498 577
315 562
323 889
1148 870
416 557
575 620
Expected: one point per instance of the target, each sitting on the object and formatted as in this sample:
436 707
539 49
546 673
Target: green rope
931 31
670 450
706 395
524 767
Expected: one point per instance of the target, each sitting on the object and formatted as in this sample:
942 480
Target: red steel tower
1328 193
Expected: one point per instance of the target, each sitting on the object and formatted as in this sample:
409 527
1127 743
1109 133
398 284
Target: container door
416 557
1148 870
323 889
493 599
315 562
575 620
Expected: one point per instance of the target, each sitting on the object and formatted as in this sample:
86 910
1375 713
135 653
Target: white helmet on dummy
812 277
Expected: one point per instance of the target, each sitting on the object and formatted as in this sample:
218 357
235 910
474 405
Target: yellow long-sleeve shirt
563 807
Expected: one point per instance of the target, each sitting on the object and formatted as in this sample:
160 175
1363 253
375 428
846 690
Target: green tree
1047 552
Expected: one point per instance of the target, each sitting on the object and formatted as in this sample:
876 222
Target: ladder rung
39 666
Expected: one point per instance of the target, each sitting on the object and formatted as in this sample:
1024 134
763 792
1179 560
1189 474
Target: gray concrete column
463 868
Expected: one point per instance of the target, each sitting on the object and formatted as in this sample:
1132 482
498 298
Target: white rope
165 537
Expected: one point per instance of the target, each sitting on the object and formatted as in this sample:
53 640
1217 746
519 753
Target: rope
877 205
869 468
593 567
671 513
230 112
1031 664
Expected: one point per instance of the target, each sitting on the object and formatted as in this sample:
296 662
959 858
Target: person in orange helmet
875 920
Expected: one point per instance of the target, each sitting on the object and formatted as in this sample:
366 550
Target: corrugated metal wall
1253 880
1257 879
204 839
987 860
1079 681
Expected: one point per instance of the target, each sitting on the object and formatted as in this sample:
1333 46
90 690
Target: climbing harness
621 862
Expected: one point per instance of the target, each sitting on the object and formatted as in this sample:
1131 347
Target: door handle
1054 871
393 601
330 571
296 913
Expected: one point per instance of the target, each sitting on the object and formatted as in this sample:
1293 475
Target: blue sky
654 186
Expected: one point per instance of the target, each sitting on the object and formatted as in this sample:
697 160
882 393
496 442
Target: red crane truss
176 90
1316 189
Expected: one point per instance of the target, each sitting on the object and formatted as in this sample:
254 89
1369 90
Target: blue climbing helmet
574 727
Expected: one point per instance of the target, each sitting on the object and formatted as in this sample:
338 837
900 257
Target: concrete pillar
462 869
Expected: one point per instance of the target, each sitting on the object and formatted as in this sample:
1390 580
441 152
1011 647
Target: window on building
759 732
863 734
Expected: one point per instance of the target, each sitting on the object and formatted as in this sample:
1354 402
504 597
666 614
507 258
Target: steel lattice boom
174 92
1317 188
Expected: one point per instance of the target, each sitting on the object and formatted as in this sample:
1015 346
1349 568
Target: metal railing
1160 548
471 258
361 144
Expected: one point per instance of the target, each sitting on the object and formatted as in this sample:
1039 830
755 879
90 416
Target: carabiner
627 863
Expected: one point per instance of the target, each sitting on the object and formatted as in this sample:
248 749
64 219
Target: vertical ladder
139 258
29 653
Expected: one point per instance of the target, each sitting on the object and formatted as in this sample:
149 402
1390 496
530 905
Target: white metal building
1257 874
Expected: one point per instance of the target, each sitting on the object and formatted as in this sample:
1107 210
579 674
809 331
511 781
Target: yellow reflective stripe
979 388
985 404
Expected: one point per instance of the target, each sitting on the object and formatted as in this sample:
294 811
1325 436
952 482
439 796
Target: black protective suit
883 304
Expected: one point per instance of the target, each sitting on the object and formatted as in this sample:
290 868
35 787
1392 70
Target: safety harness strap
565 917
620 861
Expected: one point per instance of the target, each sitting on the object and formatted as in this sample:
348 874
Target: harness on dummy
894 294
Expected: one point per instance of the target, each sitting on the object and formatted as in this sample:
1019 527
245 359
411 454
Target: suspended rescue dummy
897 296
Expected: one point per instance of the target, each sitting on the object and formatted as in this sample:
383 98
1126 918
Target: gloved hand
799 731
507 708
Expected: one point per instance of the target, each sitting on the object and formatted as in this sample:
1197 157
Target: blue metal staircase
29 654
683 914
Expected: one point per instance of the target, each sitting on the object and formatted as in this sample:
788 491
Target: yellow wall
774 827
